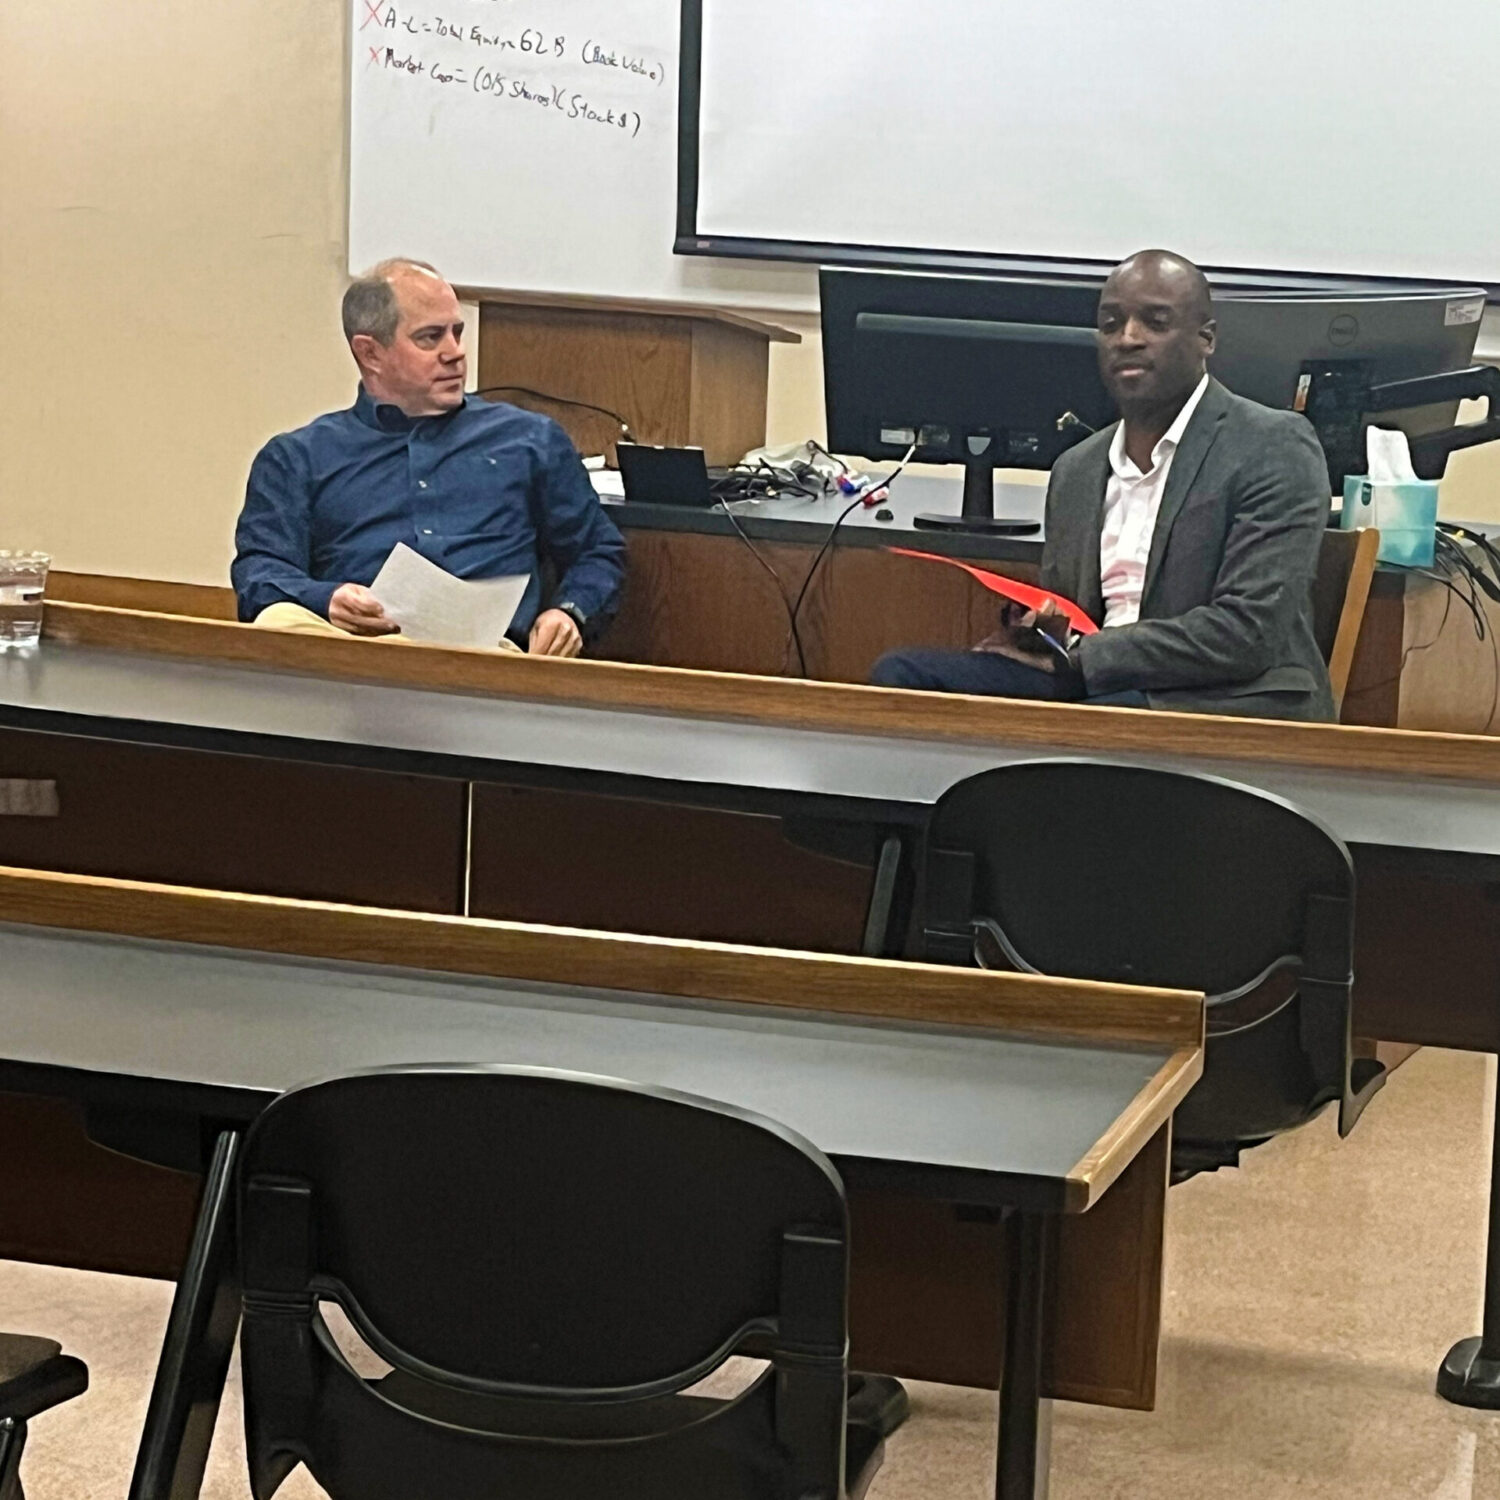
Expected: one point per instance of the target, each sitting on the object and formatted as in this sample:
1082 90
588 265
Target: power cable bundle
813 482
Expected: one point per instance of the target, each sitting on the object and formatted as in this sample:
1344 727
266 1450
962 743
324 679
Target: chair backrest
1123 873
1341 590
523 1236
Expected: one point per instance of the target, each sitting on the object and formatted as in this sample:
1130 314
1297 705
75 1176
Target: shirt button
421 484
426 531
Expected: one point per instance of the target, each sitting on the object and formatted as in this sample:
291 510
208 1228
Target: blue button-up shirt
480 490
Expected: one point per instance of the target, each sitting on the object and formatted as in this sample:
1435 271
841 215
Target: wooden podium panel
681 379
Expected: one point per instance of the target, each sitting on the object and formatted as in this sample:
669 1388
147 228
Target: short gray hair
370 304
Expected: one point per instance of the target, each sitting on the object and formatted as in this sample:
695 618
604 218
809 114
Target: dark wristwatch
573 612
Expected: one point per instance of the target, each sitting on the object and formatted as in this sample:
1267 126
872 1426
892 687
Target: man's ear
367 350
1208 335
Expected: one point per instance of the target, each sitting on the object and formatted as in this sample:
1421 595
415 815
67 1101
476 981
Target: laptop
664 476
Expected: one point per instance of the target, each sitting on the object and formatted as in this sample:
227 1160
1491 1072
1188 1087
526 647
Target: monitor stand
978 514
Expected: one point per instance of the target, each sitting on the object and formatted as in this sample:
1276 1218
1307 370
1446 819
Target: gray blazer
1226 615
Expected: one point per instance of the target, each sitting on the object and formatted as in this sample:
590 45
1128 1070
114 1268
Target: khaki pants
294 618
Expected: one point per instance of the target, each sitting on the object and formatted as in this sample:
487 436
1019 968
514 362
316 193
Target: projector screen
1316 137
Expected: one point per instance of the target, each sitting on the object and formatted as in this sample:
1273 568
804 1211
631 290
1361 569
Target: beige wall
794 408
172 207
1471 486
172 204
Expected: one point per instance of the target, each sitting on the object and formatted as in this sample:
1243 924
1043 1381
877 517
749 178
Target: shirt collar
385 417
1124 467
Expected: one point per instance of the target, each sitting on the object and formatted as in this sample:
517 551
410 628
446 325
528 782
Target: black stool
34 1375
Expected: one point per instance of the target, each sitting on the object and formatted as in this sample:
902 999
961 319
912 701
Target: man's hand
555 634
1048 629
1020 637
355 609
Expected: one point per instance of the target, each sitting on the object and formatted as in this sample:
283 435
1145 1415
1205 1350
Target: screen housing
689 241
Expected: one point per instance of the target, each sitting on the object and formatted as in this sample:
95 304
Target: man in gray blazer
1189 531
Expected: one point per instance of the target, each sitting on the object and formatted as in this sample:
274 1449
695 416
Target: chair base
1468 1378
879 1402
12 1441
1189 1158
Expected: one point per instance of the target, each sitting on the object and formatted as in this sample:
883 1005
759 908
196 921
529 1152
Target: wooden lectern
680 376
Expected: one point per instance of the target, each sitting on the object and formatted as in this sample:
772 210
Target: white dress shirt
1131 501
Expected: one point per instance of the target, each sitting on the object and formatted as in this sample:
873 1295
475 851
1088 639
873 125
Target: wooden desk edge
827 707
192 601
1027 1007
1147 1113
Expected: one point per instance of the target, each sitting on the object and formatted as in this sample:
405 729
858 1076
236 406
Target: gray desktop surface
961 1101
795 519
81 689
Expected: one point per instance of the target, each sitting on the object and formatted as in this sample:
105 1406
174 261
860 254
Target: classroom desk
1026 1096
1420 810
166 680
695 597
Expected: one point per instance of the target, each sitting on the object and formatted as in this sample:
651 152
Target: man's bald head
1156 331
1168 271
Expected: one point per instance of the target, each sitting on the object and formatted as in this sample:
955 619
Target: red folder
1024 594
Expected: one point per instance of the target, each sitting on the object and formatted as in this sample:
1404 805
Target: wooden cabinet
618 864
237 823
704 601
66 1201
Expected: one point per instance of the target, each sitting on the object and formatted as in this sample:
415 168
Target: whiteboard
1329 136
531 145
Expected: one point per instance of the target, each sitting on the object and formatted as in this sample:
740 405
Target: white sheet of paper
609 484
431 605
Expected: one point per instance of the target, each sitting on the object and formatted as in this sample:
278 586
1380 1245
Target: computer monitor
983 371
995 372
1321 353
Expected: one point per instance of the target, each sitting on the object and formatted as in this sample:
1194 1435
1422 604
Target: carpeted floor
1310 1296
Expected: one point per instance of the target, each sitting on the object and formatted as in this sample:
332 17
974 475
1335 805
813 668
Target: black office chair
35 1375
1110 872
547 1262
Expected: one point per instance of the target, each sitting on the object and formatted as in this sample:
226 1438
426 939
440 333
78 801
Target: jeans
986 673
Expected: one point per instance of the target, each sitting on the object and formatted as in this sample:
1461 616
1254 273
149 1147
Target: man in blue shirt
478 488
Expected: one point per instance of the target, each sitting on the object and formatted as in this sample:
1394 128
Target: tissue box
1404 514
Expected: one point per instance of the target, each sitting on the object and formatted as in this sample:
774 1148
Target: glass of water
23 581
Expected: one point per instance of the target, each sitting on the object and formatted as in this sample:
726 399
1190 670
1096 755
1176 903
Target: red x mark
375 55
372 13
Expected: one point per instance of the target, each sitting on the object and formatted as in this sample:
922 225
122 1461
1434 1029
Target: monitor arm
1337 397
1430 451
